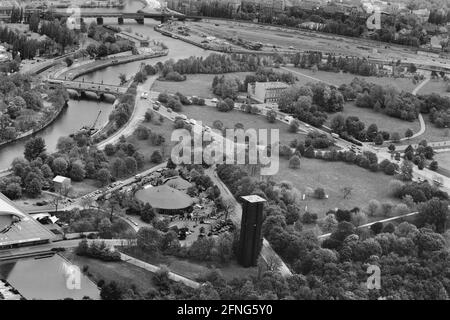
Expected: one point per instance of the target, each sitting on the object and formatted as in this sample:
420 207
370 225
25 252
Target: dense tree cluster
215 63
336 268
438 108
353 65
22 106
108 42
309 103
387 100
98 250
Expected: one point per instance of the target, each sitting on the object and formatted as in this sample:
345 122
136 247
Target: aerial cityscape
224 150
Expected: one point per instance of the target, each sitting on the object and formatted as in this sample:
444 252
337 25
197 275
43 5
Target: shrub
395 187
309 218
319 193
376 227
373 208
294 162
433 165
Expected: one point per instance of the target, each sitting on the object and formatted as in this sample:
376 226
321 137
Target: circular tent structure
165 199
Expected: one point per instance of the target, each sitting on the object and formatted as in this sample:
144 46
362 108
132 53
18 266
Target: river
83 112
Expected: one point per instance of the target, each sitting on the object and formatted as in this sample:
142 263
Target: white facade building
266 91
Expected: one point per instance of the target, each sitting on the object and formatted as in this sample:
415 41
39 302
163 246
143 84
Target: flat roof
60 179
273 84
25 230
253 198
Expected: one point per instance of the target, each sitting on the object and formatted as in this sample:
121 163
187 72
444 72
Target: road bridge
121 16
82 87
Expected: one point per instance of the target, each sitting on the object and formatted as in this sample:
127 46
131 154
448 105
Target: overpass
82 87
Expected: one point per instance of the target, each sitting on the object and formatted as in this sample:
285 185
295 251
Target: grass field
83 187
209 114
431 134
344 78
333 176
194 270
195 85
443 158
145 147
435 86
383 122
121 272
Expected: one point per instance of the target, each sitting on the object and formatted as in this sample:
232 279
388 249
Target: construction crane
91 130
96 119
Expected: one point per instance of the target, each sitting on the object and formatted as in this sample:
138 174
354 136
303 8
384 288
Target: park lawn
164 128
443 158
27 203
194 270
80 188
431 134
209 114
195 85
119 271
435 86
332 177
383 121
337 79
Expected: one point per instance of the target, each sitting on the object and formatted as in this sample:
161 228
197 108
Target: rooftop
254 198
273 85
17 226
164 197
60 179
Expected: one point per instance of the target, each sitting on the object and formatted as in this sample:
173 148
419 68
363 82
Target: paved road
421 121
152 268
140 107
90 86
326 235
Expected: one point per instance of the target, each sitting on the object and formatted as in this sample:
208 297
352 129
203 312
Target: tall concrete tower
250 240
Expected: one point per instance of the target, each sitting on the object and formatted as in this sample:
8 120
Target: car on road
144 95
155 106
169 110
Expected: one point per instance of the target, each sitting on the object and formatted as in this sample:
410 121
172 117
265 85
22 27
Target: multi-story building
266 92
6 8
422 14
250 240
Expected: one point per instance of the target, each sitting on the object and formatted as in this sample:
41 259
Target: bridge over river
139 16
82 87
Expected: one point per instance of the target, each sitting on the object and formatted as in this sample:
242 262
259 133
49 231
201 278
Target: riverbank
32 132
102 64
209 47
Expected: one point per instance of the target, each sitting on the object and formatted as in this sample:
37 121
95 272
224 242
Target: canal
83 112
